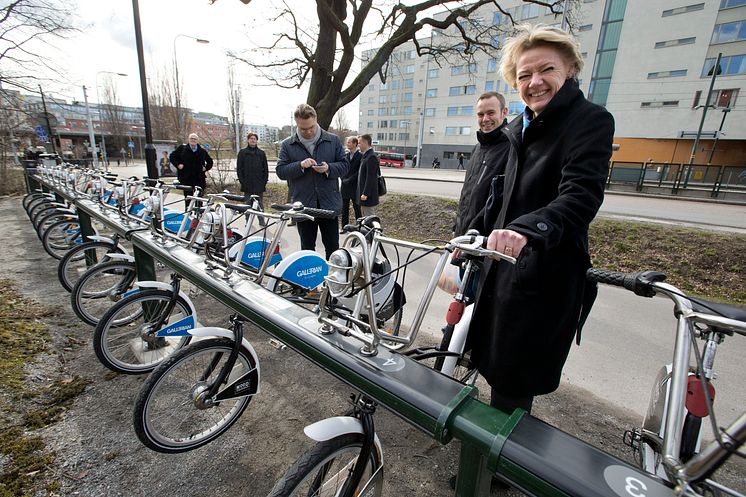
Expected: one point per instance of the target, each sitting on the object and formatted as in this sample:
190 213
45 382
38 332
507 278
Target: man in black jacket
367 182
192 162
487 165
349 182
253 170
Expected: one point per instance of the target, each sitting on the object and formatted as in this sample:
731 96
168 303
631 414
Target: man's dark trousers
329 234
346 211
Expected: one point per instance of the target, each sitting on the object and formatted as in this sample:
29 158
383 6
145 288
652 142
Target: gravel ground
98 454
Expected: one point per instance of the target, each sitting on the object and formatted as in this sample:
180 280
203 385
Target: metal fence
693 180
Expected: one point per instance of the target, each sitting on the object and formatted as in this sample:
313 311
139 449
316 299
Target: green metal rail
533 456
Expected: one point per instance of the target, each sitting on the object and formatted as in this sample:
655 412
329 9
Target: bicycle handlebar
297 210
474 245
641 283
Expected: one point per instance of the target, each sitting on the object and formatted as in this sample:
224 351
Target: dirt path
97 453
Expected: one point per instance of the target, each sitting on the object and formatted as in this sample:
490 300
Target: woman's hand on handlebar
508 242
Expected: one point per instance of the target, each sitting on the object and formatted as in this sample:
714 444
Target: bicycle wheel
41 211
31 198
61 237
124 340
48 218
463 372
100 288
37 205
80 259
323 469
171 415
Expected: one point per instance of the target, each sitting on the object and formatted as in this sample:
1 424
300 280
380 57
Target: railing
715 181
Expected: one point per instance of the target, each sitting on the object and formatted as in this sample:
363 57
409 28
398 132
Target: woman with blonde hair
527 314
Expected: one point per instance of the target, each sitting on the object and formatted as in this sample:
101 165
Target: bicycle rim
323 470
61 237
75 263
100 288
168 419
119 341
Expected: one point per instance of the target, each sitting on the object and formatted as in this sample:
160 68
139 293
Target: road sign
41 133
131 144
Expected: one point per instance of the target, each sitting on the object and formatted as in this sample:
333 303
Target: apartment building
649 62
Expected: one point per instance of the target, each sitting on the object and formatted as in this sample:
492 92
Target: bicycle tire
48 219
99 288
166 417
74 263
118 340
42 211
38 206
314 470
57 241
31 197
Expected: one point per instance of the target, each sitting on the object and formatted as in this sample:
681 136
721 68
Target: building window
407 97
458 130
529 11
394 111
719 98
392 136
667 74
467 110
383 124
730 31
395 84
371 112
409 69
394 123
394 98
497 19
384 86
380 136
683 10
492 65
430 112
456 70
369 124
452 111
432 92
371 100
448 155
585 27
675 43
404 136
403 124
516 107
406 110
729 66
729 4
489 86
663 103
454 91
371 87
383 111
408 83
382 99
433 73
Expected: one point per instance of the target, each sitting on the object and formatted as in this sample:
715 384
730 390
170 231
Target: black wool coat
252 170
487 161
527 314
367 179
348 188
195 165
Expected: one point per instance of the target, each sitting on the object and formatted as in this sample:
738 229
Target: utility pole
717 135
236 104
715 70
150 155
46 118
91 134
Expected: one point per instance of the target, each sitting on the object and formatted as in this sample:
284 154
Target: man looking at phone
312 161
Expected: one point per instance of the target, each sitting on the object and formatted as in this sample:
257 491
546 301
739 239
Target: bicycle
668 444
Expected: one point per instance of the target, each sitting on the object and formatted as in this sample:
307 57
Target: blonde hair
193 135
304 111
528 37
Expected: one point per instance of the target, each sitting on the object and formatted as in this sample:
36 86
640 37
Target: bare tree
323 58
170 120
23 23
113 117
235 108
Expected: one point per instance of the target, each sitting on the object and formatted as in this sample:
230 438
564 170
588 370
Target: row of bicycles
202 378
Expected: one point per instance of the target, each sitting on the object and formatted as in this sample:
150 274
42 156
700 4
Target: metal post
420 138
702 121
238 136
717 135
150 155
91 134
46 117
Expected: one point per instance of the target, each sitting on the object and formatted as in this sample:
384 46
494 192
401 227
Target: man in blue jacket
312 161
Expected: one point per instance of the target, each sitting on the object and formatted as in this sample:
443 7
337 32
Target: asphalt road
627 338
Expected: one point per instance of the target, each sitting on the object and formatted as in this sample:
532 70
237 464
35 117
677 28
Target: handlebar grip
319 213
282 207
184 188
237 208
641 283
233 197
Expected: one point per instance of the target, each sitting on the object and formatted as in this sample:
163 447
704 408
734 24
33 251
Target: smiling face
540 73
193 140
490 114
306 127
253 141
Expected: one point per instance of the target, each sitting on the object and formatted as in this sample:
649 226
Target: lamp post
103 139
717 135
91 134
177 93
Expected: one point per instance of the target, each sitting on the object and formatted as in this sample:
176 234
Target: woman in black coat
527 314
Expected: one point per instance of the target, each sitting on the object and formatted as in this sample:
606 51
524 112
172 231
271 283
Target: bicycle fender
304 268
328 428
120 257
101 238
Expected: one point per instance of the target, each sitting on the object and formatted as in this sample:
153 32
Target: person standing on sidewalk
192 163
460 162
349 182
367 183
253 170
312 161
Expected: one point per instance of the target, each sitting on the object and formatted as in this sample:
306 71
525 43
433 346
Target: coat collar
325 136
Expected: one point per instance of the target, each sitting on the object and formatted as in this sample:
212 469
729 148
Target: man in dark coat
312 161
192 162
527 314
367 182
349 182
253 170
487 162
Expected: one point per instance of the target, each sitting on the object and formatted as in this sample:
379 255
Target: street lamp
103 139
177 95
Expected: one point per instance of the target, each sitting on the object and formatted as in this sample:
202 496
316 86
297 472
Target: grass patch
23 409
12 181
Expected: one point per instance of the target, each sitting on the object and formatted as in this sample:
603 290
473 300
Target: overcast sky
107 43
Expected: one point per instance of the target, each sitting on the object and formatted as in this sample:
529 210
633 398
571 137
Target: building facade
649 63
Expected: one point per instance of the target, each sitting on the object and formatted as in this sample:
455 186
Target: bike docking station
531 455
